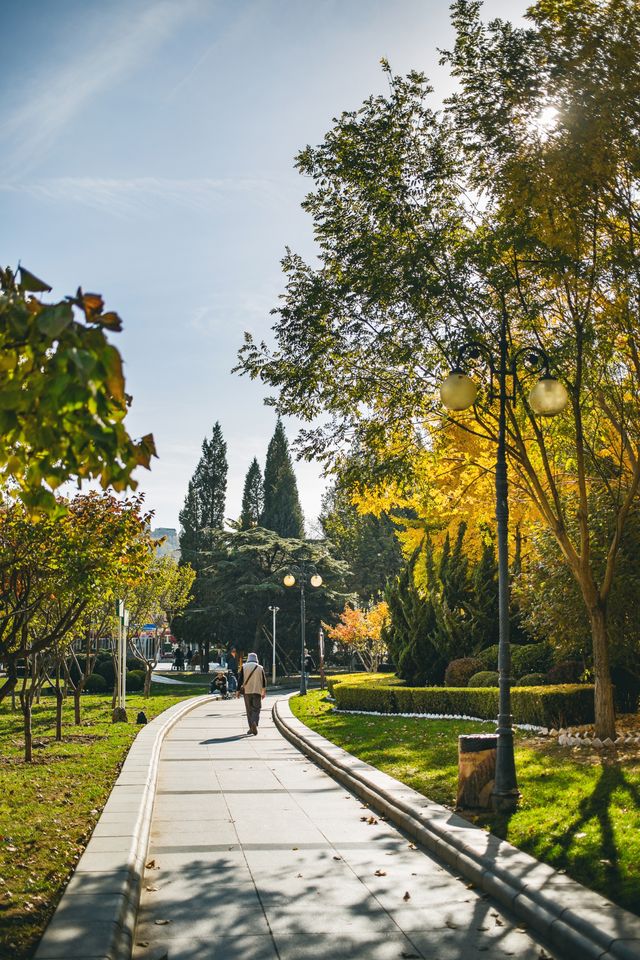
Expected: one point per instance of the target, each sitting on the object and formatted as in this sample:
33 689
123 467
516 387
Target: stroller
219 685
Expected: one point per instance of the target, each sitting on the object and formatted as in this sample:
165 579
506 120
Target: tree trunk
76 704
59 699
147 680
25 703
604 706
204 664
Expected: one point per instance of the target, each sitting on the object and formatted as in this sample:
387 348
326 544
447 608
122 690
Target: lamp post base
505 802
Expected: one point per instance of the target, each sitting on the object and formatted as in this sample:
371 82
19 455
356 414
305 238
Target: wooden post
476 770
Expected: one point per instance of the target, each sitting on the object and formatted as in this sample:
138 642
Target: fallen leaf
451 925
412 846
380 873
372 820
407 895
337 858
161 923
151 888
142 943
499 922
150 864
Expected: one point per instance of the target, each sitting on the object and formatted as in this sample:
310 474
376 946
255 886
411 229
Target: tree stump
119 715
476 770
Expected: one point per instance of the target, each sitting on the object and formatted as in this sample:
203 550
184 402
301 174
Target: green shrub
387 679
106 669
486 678
458 672
135 679
626 689
532 680
95 684
489 657
557 706
567 671
531 658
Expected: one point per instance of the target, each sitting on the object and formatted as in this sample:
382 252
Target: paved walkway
257 854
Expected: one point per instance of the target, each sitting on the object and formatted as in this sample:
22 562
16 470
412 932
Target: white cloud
62 92
143 196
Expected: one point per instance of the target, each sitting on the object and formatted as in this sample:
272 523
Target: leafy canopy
62 394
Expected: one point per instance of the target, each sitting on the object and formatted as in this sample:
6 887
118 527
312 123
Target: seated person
232 683
219 685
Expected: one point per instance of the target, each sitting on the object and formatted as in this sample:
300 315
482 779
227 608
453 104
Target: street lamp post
305 574
122 614
548 397
274 611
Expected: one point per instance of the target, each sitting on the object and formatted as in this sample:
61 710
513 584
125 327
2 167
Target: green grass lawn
580 812
48 808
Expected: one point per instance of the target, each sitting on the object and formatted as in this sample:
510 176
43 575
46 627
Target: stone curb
577 922
96 917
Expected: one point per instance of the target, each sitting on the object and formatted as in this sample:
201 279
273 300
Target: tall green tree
366 542
282 511
204 504
518 203
252 497
201 516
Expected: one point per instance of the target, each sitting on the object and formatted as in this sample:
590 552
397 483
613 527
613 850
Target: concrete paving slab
222 948
298 875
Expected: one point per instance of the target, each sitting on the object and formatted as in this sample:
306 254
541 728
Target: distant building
170 547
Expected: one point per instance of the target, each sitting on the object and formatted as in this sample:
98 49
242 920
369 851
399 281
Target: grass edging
105 904
584 930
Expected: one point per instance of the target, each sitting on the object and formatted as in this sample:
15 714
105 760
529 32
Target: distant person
178 660
188 655
219 685
232 661
309 663
253 686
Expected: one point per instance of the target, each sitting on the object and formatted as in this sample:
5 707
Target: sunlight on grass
579 812
49 808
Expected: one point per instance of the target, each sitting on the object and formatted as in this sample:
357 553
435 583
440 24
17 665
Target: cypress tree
252 498
205 500
282 511
210 480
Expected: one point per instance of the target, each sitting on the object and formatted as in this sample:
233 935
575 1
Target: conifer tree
282 511
252 497
210 480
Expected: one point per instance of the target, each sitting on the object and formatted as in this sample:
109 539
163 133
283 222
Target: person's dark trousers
252 703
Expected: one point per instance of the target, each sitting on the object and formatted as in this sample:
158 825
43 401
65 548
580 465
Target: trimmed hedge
135 679
533 680
95 684
556 706
459 672
486 678
388 679
567 671
531 658
489 657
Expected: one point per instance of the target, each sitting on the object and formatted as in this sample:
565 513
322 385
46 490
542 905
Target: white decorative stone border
578 923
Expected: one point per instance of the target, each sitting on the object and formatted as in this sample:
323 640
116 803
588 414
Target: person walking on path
232 662
253 686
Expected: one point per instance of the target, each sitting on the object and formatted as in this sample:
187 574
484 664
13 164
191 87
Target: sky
147 153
